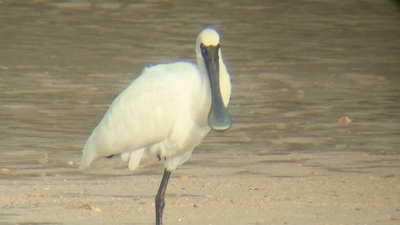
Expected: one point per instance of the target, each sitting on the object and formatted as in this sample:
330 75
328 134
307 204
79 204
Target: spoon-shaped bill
218 118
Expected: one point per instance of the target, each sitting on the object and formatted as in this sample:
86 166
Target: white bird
166 112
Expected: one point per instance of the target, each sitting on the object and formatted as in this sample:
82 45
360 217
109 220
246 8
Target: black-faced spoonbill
166 112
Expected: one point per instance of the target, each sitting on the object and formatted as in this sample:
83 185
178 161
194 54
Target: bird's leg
160 203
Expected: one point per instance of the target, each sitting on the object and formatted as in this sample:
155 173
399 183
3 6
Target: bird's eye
203 49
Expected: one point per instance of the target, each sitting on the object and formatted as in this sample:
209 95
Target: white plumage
163 112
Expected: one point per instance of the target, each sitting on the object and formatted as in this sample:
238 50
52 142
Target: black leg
160 203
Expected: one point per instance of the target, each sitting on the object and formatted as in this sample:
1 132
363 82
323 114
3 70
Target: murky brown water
296 66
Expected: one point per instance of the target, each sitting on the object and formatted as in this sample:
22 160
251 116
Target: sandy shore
297 194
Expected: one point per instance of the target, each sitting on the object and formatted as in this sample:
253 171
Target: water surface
296 67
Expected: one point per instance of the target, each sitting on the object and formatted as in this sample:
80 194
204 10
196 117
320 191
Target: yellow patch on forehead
209 37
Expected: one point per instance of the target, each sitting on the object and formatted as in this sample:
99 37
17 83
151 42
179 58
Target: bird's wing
144 113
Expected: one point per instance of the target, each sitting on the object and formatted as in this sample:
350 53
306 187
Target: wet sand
296 194
315 105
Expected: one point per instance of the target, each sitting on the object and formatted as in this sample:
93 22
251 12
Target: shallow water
296 66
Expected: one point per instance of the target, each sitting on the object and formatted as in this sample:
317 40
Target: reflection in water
297 67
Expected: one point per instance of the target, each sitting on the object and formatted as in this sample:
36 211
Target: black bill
218 118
